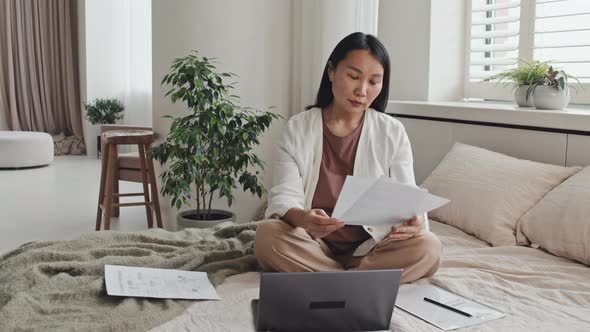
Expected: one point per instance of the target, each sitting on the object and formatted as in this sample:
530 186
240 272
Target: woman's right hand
318 224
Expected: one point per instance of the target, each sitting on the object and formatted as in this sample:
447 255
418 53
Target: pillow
560 222
490 191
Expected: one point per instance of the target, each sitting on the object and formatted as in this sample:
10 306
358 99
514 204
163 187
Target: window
501 31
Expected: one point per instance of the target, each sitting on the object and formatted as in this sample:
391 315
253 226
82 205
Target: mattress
537 291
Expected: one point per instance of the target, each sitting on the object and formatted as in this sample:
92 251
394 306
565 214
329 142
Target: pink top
338 156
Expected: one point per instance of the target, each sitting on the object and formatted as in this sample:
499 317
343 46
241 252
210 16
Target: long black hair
355 41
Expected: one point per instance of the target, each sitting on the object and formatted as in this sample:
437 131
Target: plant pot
183 220
98 147
520 97
549 98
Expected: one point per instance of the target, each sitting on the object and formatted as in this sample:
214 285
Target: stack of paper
411 298
158 283
382 201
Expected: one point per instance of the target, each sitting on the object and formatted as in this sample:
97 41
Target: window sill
574 119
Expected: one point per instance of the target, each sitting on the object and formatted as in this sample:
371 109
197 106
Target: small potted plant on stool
103 111
209 149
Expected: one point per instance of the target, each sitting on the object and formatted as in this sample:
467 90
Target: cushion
490 191
129 160
63 145
560 222
25 149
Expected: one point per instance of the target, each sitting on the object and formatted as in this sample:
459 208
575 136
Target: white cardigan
383 148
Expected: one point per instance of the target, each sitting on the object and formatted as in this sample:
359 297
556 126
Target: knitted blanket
59 285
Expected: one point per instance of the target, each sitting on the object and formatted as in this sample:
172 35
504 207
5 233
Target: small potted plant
522 78
103 111
208 150
551 91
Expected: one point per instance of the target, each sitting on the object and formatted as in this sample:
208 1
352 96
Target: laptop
326 301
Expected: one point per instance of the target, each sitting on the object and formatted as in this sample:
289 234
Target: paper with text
410 298
158 283
382 201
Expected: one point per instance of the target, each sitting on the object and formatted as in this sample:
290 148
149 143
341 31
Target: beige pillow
560 222
490 191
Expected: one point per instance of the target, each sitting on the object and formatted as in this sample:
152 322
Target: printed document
382 201
410 298
158 283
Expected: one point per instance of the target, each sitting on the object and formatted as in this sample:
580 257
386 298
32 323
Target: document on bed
382 201
158 283
443 309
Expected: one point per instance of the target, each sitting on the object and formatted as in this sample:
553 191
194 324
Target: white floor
57 202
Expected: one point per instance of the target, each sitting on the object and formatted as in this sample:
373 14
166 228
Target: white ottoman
25 149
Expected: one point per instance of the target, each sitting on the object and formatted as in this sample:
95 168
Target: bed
516 236
538 291
503 210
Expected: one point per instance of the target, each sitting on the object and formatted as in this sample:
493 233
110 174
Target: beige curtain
318 25
39 73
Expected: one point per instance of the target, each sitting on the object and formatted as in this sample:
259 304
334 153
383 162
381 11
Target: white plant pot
520 97
549 98
183 222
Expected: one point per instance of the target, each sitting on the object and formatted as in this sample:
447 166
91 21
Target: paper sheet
411 299
158 283
354 187
382 201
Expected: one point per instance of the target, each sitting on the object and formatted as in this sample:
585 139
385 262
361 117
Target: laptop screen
343 300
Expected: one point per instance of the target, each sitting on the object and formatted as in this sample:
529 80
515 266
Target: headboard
431 139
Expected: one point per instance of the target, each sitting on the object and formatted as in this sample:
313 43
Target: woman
344 133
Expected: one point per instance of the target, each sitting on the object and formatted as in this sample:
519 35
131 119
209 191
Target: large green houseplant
209 149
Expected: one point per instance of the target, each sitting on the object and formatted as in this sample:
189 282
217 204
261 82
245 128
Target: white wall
447 50
251 39
404 29
118 59
82 72
426 46
317 27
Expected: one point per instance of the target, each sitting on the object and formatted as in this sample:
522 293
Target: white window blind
494 37
562 35
501 31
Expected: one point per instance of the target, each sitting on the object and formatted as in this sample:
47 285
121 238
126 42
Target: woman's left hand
406 230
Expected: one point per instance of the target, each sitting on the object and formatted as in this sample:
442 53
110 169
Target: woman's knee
268 237
431 249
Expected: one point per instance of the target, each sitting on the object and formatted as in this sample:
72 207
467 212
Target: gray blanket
59 285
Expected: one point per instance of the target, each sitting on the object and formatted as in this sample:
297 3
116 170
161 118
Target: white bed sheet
538 291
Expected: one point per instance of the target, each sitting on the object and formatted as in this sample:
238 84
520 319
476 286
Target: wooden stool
109 142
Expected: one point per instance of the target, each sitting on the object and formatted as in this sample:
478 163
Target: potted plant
551 91
522 78
103 111
209 149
